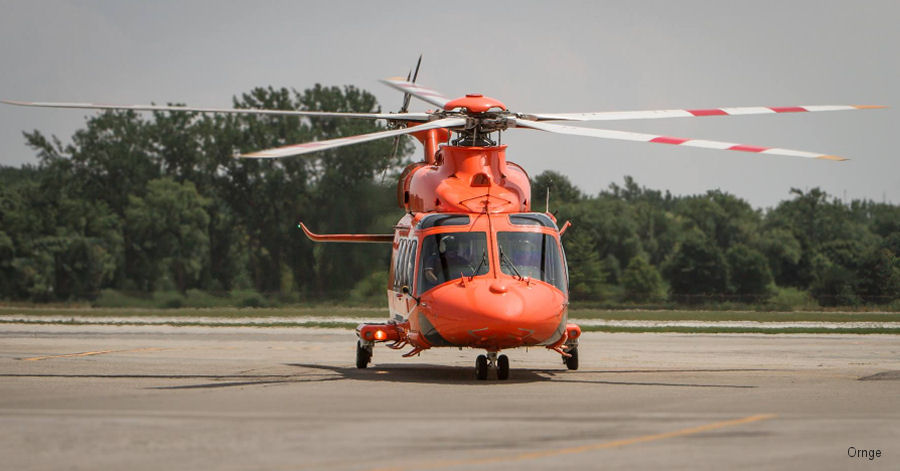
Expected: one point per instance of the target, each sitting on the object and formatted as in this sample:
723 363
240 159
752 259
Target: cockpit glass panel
532 254
436 220
450 255
531 219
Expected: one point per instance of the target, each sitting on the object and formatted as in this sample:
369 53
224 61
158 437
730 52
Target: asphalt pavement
162 397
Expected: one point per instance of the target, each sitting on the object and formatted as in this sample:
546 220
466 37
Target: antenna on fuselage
403 109
547 202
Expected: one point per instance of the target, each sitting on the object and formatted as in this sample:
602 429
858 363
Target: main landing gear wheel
502 367
481 367
363 354
572 361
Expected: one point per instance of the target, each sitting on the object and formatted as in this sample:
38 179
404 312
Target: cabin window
401 265
397 272
404 263
448 256
410 266
532 254
436 220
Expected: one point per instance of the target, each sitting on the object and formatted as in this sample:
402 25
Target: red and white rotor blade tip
307 147
685 113
657 139
416 90
254 111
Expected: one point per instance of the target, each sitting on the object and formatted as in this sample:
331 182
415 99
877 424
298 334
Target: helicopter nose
496 313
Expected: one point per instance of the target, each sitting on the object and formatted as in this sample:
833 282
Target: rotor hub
475 103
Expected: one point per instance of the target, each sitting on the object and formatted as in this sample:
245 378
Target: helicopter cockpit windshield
450 255
531 254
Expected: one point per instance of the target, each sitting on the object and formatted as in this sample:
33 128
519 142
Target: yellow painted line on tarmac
584 448
85 354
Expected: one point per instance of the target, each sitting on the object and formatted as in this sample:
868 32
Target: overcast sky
533 56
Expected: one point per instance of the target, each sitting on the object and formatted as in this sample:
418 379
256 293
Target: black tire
363 355
481 368
572 361
502 367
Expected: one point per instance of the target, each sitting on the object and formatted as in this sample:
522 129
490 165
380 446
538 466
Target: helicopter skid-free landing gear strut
491 360
567 346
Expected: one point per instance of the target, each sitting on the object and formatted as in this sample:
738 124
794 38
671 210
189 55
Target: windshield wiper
483 260
504 258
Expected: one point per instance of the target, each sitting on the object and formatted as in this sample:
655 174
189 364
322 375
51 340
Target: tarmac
156 396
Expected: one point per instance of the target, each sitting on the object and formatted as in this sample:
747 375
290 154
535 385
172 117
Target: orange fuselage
471 266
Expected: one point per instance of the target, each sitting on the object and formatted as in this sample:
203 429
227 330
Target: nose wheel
571 361
491 360
363 354
481 367
502 367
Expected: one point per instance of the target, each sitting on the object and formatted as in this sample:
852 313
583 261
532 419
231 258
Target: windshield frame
490 225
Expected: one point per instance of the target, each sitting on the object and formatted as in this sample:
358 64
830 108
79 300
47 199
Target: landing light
380 335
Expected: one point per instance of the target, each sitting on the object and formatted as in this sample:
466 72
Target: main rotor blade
656 114
418 91
307 147
640 137
256 111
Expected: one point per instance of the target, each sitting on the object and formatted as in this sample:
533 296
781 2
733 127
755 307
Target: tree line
147 202
637 244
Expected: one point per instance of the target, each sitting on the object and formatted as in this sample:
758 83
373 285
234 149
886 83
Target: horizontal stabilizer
357 238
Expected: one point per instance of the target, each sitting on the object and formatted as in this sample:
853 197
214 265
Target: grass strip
612 329
321 325
743 330
225 313
759 316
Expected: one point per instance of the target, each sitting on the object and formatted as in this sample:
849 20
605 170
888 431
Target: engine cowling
466 179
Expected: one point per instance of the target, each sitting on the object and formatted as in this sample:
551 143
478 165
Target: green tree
879 276
611 228
107 161
833 284
586 275
725 219
783 252
642 281
333 191
697 268
749 274
167 231
7 255
561 190
822 225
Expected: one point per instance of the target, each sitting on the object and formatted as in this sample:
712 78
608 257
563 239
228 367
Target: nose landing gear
363 353
491 360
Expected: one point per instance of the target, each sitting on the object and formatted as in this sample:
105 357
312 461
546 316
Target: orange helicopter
472 265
